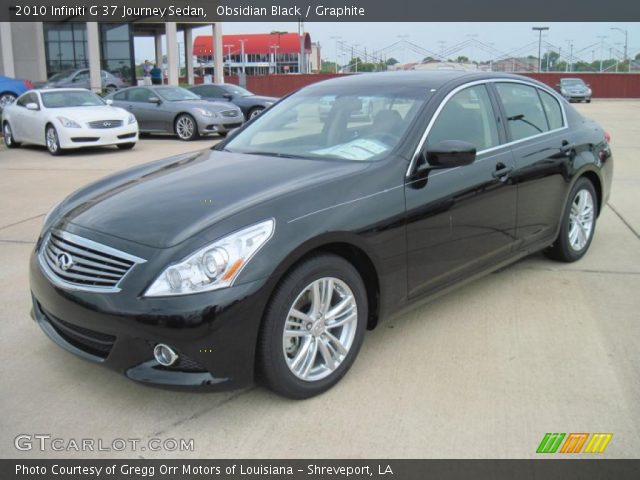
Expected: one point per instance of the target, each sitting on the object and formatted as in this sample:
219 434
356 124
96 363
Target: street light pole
337 39
275 58
601 37
626 43
540 30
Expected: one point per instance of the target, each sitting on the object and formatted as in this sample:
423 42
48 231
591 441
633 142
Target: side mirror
450 154
155 100
108 101
588 85
557 85
227 96
32 106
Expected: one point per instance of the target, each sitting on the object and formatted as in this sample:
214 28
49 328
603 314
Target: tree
328 67
392 61
638 56
462 59
428 60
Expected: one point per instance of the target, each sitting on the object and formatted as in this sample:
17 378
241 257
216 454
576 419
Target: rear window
552 109
525 115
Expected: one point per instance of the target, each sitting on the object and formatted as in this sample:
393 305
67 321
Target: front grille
105 124
84 264
90 341
230 113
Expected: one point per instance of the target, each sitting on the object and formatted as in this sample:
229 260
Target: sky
503 37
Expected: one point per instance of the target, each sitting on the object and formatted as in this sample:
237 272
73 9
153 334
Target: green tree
393 61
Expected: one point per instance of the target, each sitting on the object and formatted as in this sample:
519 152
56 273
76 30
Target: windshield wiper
275 154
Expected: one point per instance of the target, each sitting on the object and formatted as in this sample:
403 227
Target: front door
460 220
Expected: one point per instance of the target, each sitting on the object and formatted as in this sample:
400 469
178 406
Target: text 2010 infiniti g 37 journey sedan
270 255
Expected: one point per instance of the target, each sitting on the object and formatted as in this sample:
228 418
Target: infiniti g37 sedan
69 118
269 256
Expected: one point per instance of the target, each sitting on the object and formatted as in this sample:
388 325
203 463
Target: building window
115 42
65 46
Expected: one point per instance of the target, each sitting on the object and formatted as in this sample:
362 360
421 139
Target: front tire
313 327
578 224
126 146
8 136
186 127
254 112
52 141
6 98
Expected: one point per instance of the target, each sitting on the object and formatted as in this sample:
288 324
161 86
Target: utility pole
601 37
242 54
570 59
540 30
337 39
626 44
275 58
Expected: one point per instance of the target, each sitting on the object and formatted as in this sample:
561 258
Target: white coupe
67 118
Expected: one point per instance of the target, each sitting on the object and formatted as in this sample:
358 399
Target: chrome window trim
485 81
51 275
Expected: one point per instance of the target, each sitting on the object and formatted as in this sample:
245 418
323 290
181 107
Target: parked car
166 109
68 118
270 255
250 103
81 79
10 89
574 90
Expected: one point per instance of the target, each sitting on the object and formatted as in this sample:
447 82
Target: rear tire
578 224
52 141
300 352
126 146
8 136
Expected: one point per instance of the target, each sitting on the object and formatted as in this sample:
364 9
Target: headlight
215 266
206 113
131 120
268 104
563 92
588 91
68 123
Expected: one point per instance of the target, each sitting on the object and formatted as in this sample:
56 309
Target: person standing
156 75
146 68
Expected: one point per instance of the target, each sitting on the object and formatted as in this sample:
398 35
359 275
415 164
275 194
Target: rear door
460 220
543 149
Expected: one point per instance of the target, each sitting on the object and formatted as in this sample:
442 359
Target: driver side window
467 116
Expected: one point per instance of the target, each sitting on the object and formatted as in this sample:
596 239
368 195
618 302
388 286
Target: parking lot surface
483 372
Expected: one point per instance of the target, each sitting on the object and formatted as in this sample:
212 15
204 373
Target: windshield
62 99
571 82
176 94
238 91
352 123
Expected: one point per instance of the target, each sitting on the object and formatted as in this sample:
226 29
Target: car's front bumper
218 124
214 333
94 137
578 97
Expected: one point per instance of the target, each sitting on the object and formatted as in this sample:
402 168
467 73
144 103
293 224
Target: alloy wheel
320 329
8 139
581 218
255 113
52 140
6 99
185 128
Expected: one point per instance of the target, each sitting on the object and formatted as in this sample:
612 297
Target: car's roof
69 89
420 79
571 78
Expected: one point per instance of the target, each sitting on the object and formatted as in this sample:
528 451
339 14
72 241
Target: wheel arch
347 247
596 181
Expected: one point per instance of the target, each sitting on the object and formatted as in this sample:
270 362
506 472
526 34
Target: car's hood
170 202
90 114
260 99
215 106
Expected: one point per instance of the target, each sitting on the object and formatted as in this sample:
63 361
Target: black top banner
190 11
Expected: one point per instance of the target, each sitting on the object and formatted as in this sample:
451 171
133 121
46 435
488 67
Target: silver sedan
168 109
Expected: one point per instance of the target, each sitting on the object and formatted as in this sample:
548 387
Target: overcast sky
505 37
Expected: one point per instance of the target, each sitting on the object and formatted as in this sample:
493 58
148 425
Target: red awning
256 43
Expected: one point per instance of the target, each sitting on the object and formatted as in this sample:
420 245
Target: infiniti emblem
106 124
65 261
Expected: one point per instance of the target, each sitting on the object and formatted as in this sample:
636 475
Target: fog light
165 355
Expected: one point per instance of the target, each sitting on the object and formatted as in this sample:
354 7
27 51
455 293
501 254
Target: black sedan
250 103
270 255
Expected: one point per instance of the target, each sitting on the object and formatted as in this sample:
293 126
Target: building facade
36 51
258 53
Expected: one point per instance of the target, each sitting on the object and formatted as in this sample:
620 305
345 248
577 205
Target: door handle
501 171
